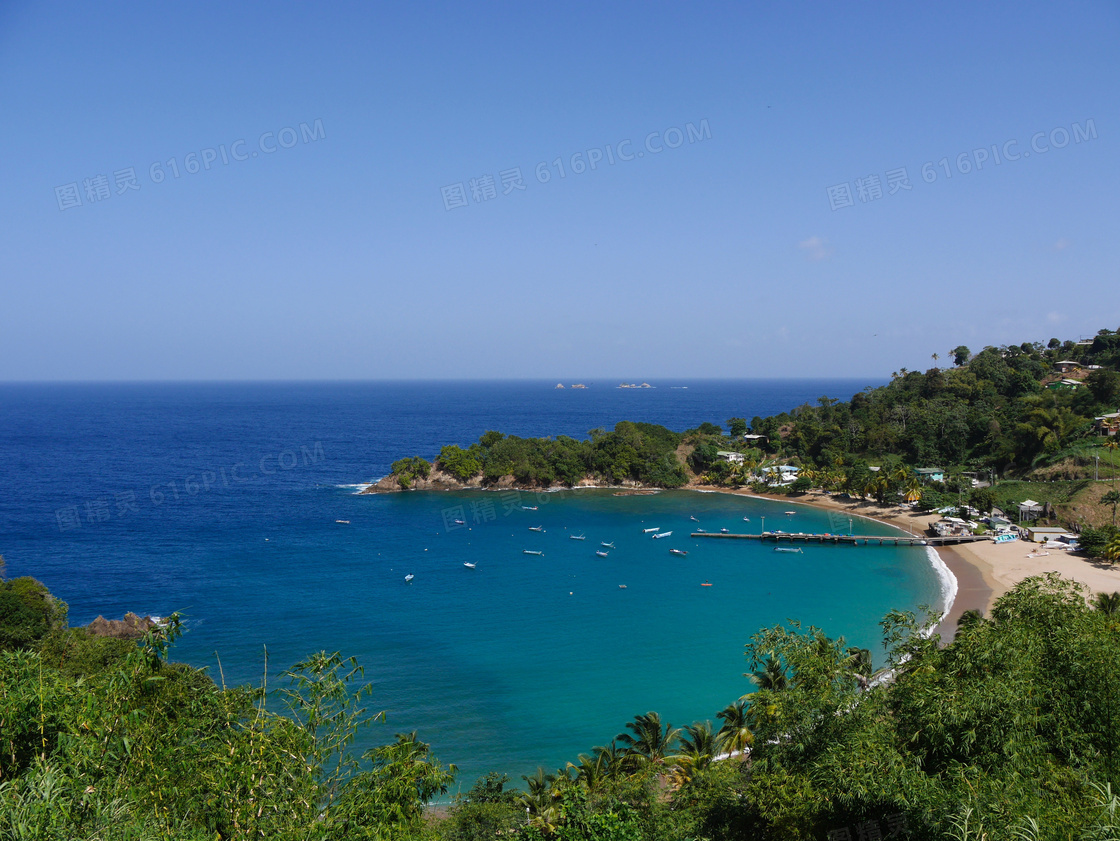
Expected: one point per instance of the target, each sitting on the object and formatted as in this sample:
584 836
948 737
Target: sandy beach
984 570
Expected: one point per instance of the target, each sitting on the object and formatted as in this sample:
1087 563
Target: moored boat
650 531
662 534
677 552
576 537
601 553
468 565
409 577
532 552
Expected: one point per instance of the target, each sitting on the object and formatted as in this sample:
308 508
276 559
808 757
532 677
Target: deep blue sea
220 501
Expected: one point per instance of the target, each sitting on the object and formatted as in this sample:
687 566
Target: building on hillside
930 474
1029 510
754 440
1064 385
734 458
1107 424
1066 365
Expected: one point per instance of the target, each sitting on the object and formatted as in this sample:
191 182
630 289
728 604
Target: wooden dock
851 539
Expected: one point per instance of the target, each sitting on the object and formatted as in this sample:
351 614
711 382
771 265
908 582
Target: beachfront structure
782 474
930 474
1029 509
1041 534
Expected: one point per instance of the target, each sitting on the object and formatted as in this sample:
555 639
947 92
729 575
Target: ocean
221 501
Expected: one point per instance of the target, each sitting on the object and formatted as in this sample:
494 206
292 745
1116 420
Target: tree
1110 445
1112 550
737 427
771 676
651 742
1112 498
960 355
1107 603
735 735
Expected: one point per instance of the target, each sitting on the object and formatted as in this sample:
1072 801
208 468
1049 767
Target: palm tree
650 743
771 676
698 747
1112 550
542 802
1111 446
735 736
1111 498
935 358
1108 603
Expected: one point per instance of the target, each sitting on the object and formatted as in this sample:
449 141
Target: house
930 474
754 440
786 473
1107 424
1043 534
1066 365
734 458
1064 385
1029 509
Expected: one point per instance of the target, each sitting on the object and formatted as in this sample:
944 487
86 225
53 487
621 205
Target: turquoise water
124 497
528 660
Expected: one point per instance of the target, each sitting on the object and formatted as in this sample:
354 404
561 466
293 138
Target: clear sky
347 202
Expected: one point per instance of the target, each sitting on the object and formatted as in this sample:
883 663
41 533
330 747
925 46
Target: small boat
746 519
536 528
725 531
607 545
601 553
532 552
791 512
701 531
460 522
621 586
468 565
661 534
344 522
693 519
706 584
409 577
650 531
528 508
576 537
677 552
784 549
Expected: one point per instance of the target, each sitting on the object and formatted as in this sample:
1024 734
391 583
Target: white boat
661 534
677 552
783 549
725 531
791 512
460 522
576 537
532 552
650 531
344 522
536 528
746 519
528 508
693 519
468 565
607 545
601 553
409 577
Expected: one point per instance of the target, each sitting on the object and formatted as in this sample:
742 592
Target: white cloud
816 249
1062 244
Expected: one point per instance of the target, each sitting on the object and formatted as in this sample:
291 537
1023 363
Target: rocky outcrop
132 627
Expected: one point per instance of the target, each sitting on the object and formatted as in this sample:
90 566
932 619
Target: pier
852 539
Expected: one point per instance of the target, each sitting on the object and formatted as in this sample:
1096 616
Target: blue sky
358 237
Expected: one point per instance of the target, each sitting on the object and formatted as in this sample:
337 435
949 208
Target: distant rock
559 385
132 627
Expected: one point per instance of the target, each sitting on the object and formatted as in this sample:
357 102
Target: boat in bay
662 534
607 545
537 528
650 531
796 550
468 565
531 552
677 552
601 553
408 578
576 537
